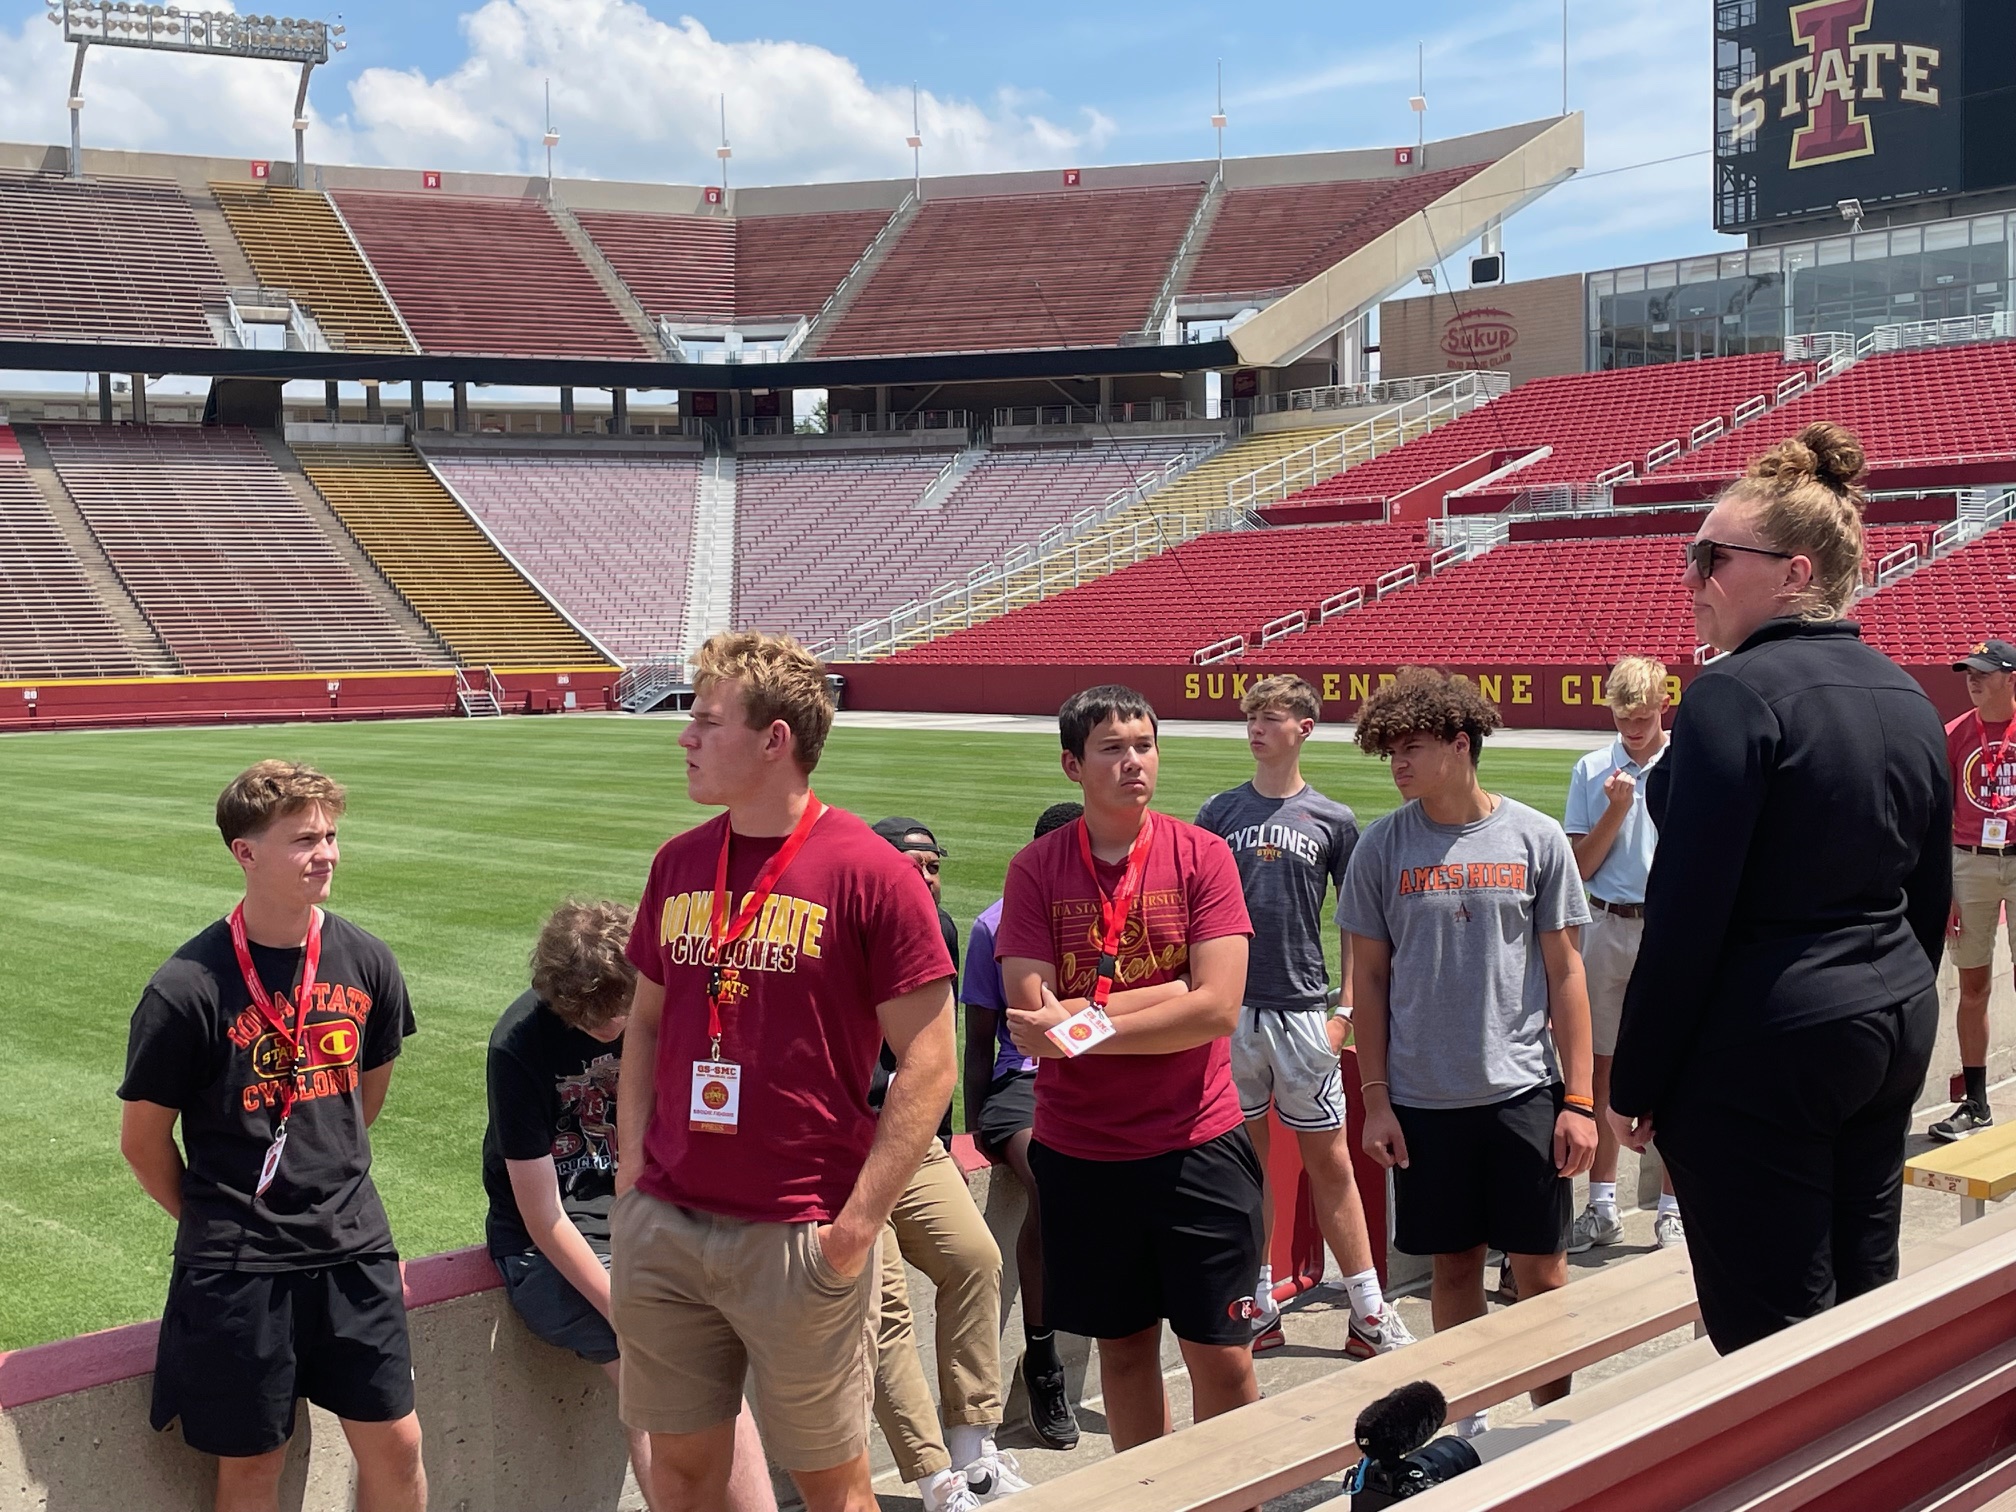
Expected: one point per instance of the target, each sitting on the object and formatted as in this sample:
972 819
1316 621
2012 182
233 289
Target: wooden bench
1979 1169
1242 1458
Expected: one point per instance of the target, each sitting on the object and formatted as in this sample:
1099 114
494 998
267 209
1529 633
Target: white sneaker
952 1495
1669 1230
1377 1336
996 1473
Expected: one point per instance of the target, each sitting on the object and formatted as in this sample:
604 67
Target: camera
1403 1457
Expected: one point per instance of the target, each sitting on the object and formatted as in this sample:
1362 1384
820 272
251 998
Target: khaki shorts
700 1301
1981 885
1609 951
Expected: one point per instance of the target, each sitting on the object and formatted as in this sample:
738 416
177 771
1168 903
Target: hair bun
1827 453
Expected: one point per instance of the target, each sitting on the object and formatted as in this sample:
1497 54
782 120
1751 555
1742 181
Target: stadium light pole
1418 102
724 151
551 138
215 34
1218 118
915 142
1564 57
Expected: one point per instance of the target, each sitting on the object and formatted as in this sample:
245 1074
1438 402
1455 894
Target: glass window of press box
1752 301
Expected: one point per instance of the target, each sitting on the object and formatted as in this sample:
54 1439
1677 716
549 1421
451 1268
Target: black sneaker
1050 1414
1968 1118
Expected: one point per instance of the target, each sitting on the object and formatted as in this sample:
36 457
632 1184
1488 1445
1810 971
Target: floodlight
724 152
1218 120
1851 209
913 142
1417 103
1426 275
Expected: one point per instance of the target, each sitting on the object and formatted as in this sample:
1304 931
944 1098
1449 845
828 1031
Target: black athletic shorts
1481 1175
237 1348
1127 1243
552 1308
1010 1108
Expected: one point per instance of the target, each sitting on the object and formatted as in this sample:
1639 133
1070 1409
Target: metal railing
1219 650
1311 464
1095 414
1970 527
1155 329
863 422
1360 395
1283 625
1911 335
1392 582
898 218
1339 603
726 346
646 682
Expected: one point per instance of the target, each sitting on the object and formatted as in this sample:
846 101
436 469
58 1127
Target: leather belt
1622 910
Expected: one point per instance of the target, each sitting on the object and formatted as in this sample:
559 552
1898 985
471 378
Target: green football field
459 838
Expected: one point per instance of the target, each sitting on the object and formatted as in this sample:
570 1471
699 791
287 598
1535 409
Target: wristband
1588 1113
1575 1101
1386 1084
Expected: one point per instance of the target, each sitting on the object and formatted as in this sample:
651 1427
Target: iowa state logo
1825 87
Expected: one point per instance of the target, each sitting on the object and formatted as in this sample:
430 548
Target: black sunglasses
1701 555
930 865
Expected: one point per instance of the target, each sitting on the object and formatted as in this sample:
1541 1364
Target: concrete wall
1531 330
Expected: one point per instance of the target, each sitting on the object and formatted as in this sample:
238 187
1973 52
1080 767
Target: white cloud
633 97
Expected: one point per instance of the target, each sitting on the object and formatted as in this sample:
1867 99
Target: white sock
1263 1290
1366 1298
1668 1203
1472 1425
966 1442
1603 1194
934 1488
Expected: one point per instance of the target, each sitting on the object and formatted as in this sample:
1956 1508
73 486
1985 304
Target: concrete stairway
146 646
231 258
710 583
605 275
858 276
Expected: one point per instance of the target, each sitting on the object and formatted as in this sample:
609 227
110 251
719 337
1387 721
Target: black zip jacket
1804 868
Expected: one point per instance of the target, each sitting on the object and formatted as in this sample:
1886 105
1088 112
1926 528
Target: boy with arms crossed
777 947
1149 1185
271 1036
1462 907
1290 843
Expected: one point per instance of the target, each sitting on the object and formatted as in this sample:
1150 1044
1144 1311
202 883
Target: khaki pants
937 1228
1609 950
701 1300
1981 885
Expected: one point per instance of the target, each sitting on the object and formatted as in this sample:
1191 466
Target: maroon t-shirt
849 925
1984 775
1126 1107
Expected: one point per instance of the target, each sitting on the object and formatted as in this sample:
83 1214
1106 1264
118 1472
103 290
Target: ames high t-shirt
1462 907
1126 1107
1289 851
552 1092
849 926
1984 775
199 1046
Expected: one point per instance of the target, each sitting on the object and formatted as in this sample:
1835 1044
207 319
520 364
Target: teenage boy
1291 843
1001 1115
1124 936
777 946
1462 907
1981 754
1613 839
549 1156
271 1036
947 1453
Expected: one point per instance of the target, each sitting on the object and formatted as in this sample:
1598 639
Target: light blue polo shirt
1621 877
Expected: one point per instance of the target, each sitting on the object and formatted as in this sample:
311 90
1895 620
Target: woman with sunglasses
1780 1019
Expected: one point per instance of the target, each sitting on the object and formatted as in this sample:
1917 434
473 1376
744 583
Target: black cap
908 835
1988 656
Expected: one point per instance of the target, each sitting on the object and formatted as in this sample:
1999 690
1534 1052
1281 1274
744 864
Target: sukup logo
1479 336
1840 69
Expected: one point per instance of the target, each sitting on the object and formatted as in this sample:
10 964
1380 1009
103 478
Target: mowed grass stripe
459 838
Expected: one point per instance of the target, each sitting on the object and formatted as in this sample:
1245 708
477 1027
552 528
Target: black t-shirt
885 1065
198 1045
552 1092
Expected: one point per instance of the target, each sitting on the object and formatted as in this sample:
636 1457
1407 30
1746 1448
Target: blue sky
823 92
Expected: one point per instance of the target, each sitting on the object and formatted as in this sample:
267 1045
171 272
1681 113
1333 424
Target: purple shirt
983 988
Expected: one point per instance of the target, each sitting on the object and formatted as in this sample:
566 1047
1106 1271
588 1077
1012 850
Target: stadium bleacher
52 621
787 265
1265 239
1164 609
294 242
1592 421
678 265
485 275
1929 615
228 567
113 260
608 537
1032 270
1921 417
826 542
476 600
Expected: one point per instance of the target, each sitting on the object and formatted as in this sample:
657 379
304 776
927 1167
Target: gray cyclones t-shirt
1289 851
1462 907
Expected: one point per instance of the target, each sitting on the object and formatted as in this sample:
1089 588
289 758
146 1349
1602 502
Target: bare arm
147 1140
377 1082
1593 848
1338 1026
918 1029
1156 1020
1568 1007
637 1083
536 1185
980 1024
1371 979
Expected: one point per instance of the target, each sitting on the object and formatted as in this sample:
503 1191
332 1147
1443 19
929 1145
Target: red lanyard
722 977
263 1000
1113 911
1994 762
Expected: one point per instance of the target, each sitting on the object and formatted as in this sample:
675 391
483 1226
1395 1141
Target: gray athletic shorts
1285 1058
